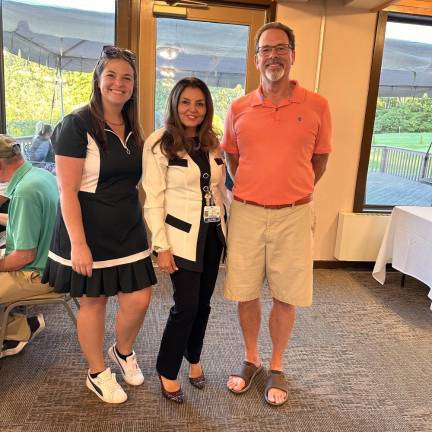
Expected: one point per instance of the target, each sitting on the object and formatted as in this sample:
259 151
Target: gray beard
274 75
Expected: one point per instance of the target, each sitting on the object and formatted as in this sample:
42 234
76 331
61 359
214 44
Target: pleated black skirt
107 282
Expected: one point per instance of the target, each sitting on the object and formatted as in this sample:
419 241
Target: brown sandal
248 372
276 380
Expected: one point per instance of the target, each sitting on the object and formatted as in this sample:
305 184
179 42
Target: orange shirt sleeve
323 142
229 139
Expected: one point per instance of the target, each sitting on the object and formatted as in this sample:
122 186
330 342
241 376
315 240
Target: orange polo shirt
276 144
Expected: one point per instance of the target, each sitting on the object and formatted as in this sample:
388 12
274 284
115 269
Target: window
399 136
221 67
50 48
213 42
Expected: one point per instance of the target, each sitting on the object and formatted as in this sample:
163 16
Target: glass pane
400 167
213 52
50 49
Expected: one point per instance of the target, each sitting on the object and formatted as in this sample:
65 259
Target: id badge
212 214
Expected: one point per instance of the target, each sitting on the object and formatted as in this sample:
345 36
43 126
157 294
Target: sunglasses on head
115 52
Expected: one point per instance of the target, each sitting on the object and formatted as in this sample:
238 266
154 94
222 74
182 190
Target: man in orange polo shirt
277 140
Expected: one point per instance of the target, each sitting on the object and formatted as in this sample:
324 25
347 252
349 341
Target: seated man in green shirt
33 196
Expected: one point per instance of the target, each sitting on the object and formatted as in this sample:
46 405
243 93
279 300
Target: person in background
99 247
33 196
277 140
184 182
41 148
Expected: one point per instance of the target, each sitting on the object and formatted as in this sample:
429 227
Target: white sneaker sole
113 357
40 328
90 387
13 351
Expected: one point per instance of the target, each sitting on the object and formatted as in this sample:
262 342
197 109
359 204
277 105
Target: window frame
372 98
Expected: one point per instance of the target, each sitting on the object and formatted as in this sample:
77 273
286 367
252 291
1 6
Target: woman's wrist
78 243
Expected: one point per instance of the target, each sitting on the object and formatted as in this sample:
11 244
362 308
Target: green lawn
412 141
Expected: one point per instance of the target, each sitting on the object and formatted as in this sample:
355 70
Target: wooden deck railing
409 164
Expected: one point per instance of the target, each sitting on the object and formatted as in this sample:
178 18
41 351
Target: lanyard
208 193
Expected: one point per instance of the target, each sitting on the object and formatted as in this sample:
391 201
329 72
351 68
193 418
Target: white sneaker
36 324
11 347
129 368
106 387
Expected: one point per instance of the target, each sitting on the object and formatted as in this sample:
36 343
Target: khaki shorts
276 244
17 285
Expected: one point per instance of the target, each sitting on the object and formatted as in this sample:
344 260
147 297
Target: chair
48 298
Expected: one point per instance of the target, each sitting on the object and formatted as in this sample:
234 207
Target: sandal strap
276 380
247 371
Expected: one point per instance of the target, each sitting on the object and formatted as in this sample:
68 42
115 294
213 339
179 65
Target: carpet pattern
360 359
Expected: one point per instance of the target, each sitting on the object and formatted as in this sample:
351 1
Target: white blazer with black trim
173 203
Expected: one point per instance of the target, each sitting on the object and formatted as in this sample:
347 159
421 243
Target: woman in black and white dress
184 181
99 247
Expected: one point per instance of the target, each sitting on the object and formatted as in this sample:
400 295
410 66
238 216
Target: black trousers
187 321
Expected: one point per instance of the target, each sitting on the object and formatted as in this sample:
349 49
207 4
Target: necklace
114 124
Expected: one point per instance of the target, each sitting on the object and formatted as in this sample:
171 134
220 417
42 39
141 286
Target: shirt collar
298 95
17 177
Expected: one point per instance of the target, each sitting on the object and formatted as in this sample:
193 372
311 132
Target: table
407 245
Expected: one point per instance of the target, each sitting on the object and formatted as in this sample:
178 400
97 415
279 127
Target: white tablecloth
407 245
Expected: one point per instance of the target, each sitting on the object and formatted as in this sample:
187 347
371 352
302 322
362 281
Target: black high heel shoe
176 396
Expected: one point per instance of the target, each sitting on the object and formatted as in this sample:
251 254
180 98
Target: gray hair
10 150
279 26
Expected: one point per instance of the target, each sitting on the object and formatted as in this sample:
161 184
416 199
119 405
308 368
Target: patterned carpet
360 360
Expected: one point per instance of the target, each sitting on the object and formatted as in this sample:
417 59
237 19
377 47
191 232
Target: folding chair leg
4 315
70 312
6 310
3 325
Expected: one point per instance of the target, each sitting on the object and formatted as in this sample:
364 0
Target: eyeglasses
111 51
280 49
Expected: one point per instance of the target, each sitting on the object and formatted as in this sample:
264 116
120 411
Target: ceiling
371 5
374 5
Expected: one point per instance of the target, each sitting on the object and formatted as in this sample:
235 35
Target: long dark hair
174 140
95 107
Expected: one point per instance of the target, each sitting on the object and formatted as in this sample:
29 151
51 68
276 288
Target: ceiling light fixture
168 52
167 71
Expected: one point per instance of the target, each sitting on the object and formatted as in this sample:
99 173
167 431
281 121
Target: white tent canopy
406 69
53 36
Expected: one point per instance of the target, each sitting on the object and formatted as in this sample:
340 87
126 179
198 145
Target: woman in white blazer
184 182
